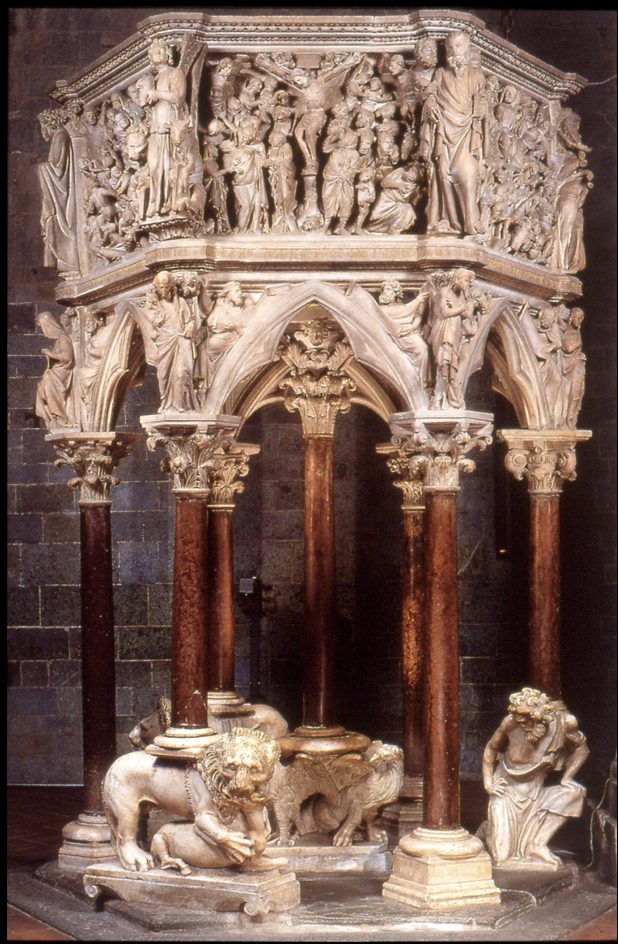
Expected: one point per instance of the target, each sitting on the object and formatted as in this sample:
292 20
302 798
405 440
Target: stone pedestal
407 812
314 854
441 869
255 894
86 841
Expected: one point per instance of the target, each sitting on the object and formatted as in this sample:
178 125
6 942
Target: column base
322 740
86 841
441 869
226 710
184 743
407 810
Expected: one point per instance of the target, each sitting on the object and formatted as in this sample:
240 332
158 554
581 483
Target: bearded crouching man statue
538 736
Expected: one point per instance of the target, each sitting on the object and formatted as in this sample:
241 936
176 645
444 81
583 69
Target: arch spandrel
355 312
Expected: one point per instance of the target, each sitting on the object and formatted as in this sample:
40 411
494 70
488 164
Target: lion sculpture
342 793
221 799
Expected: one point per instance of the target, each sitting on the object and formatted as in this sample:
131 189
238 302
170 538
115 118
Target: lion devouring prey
222 800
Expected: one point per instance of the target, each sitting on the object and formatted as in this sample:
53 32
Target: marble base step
315 854
255 894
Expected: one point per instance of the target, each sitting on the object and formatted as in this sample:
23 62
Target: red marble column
412 629
544 590
98 649
319 581
190 614
441 663
221 598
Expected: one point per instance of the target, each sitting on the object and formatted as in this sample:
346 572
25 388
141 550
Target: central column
439 864
317 386
319 591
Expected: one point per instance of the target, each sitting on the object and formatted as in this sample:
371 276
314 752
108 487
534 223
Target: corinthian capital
317 384
409 469
437 444
92 457
546 458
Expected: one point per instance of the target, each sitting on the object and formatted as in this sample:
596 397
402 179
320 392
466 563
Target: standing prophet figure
174 327
53 394
452 140
167 94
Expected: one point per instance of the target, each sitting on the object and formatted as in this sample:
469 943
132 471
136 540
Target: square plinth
435 882
203 890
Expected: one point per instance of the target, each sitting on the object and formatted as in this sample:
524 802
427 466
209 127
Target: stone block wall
43 525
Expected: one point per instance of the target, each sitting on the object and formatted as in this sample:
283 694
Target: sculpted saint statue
573 368
54 389
452 140
174 327
59 211
167 94
245 161
451 319
538 736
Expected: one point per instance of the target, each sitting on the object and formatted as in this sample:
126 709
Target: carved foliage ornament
316 385
440 455
208 464
92 462
545 469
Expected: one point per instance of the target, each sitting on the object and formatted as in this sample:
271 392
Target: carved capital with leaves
92 461
317 384
436 449
545 458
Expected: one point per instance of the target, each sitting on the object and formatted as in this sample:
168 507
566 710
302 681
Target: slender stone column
439 864
229 463
317 387
408 810
546 458
190 612
92 457
206 463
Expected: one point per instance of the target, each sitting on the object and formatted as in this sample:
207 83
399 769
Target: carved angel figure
53 394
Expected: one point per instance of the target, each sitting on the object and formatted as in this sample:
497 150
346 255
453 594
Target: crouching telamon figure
538 736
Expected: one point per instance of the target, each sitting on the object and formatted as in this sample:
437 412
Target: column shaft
441 664
412 623
190 615
221 598
544 589
98 649
319 647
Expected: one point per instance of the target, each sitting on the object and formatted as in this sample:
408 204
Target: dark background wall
47 44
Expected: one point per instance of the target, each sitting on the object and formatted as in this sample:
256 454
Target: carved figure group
538 736
352 144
